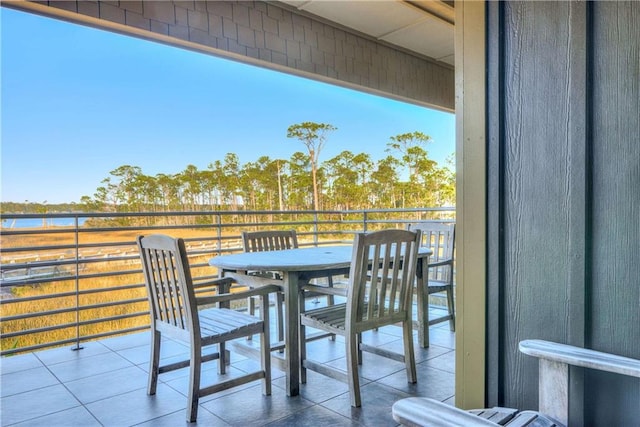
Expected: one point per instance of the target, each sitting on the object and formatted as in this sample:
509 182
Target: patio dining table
297 267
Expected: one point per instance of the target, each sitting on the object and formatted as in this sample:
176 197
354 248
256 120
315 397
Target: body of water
38 222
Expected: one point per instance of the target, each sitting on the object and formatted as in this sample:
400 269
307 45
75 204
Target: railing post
77 264
364 221
219 232
315 228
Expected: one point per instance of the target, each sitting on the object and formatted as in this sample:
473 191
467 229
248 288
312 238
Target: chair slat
270 240
227 324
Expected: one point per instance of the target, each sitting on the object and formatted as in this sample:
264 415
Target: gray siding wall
564 196
270 35
614 314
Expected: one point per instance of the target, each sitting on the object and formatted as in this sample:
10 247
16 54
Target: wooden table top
299 259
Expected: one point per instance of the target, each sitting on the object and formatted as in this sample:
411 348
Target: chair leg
194 383
154 362
251 308
222 358
265 347
452 321
352 368
409 355
303 352
423 314
359 341
330 301
302 340
280 317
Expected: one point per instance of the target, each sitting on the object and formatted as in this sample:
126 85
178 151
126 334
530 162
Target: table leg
423 301
292 352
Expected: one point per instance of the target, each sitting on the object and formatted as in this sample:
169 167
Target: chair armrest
222 284
578 356
251 280
441 262
325 290
262 290
553 372
421 411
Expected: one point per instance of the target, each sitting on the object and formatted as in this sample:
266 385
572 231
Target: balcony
93 369
105 384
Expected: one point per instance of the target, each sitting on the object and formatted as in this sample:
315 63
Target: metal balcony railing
68 284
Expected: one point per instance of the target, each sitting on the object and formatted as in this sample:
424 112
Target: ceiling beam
439 9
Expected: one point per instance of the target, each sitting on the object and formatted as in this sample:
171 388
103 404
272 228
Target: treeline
405 178
28 207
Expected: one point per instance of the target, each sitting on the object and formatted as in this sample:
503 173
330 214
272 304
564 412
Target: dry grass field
109 290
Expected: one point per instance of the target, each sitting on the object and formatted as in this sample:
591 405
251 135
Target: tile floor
104 384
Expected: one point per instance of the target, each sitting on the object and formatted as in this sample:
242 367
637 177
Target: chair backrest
270 240
383 267
440 238
169 285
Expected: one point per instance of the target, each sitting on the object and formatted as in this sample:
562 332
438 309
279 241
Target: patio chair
202 321
440 238
379 294
273 240
553 391
270 240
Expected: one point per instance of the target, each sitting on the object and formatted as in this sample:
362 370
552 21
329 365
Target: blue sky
78 102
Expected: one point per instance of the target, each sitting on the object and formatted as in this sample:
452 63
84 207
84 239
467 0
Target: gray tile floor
105 384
